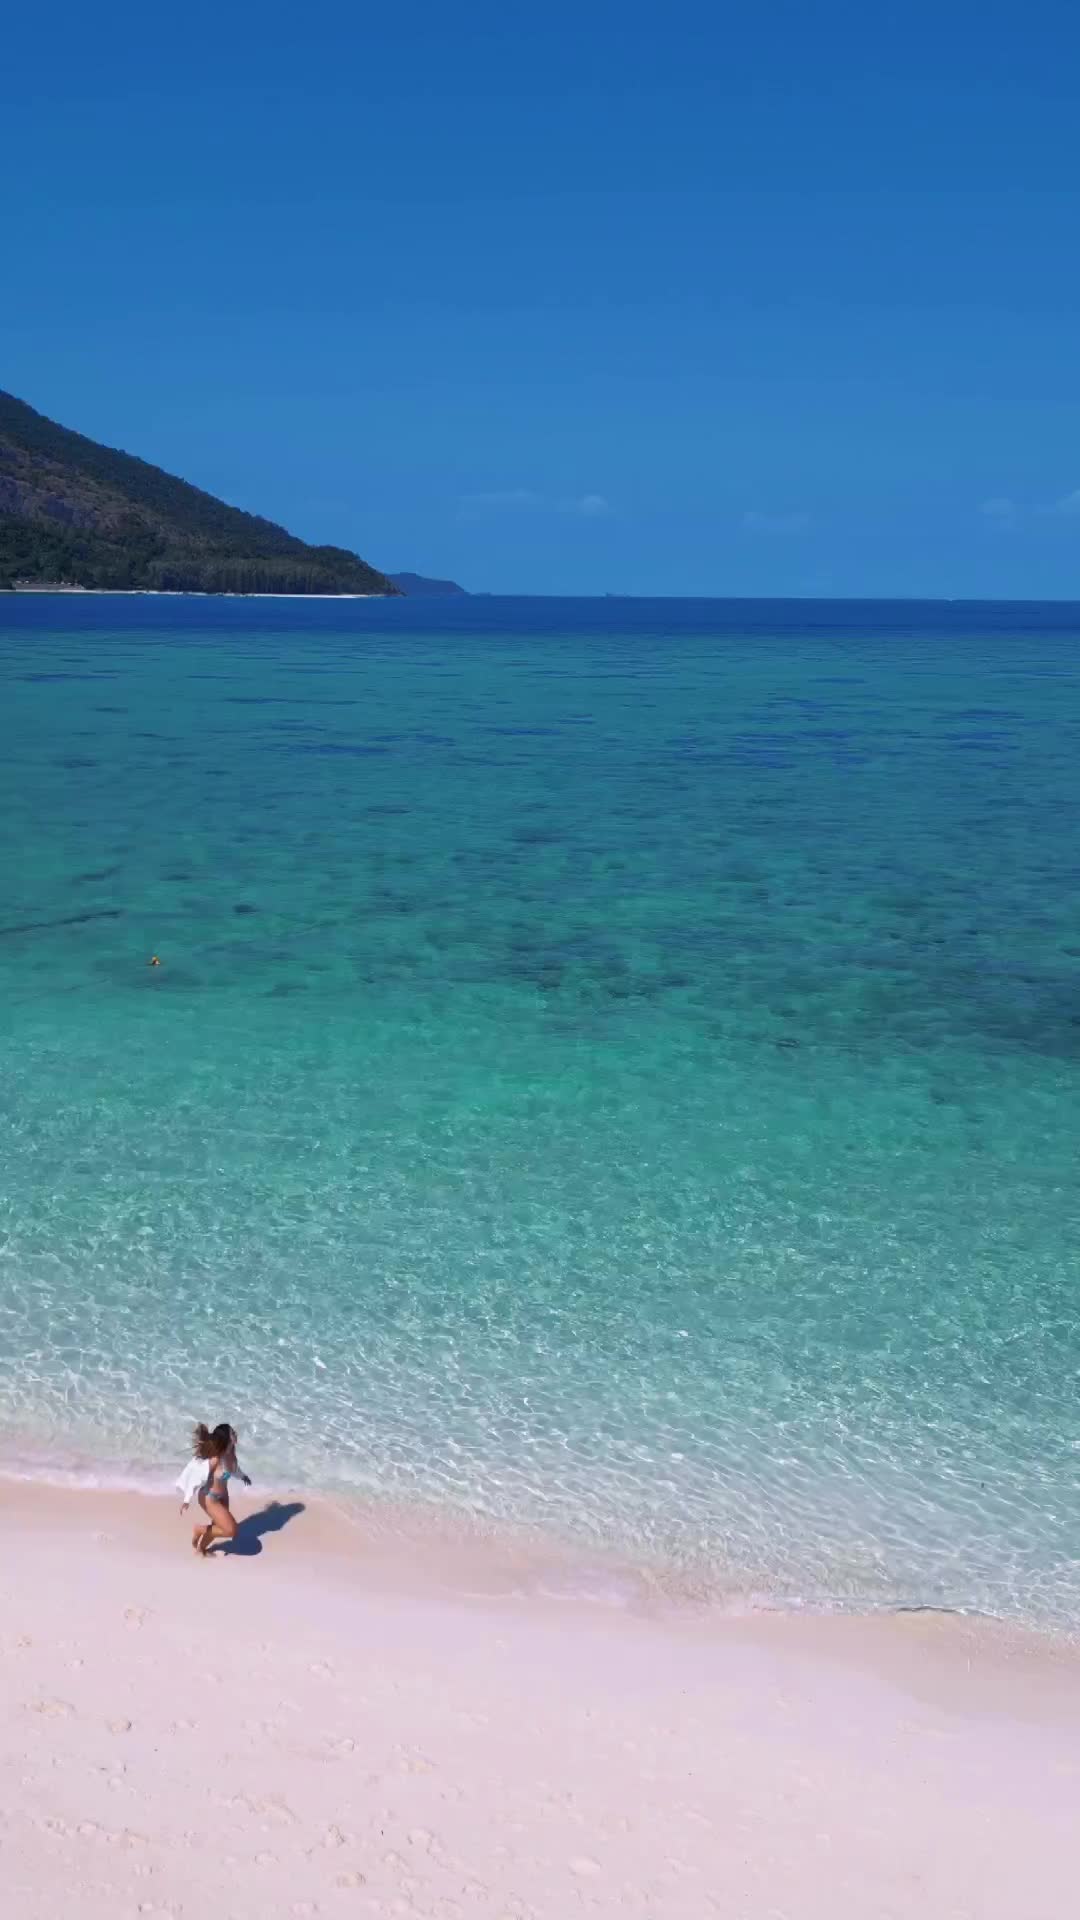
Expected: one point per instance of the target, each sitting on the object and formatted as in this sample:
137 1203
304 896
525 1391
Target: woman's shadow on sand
248 1537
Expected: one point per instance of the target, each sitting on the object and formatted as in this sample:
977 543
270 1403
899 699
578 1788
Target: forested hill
420 587
75 512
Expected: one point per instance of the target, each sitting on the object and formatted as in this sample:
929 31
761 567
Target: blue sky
681 299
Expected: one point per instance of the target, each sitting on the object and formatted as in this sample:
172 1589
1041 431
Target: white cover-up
195 1475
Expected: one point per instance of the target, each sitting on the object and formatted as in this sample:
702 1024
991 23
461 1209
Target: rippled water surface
614 1067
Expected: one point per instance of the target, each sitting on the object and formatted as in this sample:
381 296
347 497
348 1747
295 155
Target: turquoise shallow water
615 1068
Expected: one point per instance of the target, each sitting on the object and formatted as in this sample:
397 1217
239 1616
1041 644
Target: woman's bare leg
202 1537
222 1527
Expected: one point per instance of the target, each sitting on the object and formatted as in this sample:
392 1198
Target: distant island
77 514
419 587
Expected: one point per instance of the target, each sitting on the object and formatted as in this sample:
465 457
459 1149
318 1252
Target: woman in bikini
218 1449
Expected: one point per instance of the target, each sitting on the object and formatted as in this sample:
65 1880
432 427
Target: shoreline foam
451 1550
417 1545
419 1552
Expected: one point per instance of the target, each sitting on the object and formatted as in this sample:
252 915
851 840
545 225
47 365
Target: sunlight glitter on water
616 1082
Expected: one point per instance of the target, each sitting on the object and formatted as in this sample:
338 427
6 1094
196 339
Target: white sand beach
312 1729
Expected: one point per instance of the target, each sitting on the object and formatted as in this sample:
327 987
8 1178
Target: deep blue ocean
613 1072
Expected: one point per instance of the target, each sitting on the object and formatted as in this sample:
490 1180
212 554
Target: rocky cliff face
31 495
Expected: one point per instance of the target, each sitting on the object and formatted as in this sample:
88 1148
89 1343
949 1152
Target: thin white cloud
477 506
589 506
779 523
1009 513
473 506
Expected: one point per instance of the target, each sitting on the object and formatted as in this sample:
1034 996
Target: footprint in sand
53 1709
119 1726
273 1807
698 1819
135 1616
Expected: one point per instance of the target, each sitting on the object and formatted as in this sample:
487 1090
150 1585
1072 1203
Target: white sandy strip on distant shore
296 1733
186 593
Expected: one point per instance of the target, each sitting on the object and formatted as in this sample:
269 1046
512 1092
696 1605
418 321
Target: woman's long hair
210 1446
